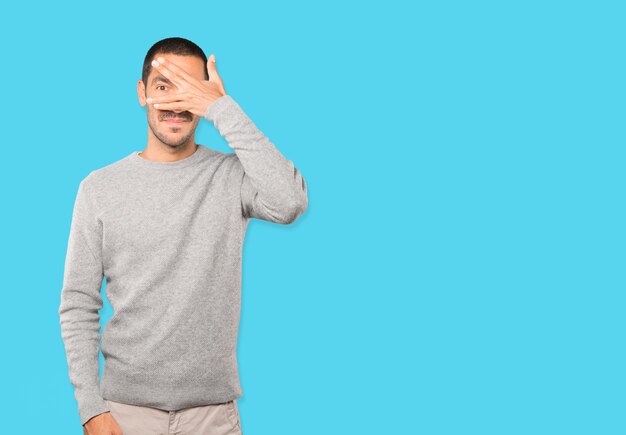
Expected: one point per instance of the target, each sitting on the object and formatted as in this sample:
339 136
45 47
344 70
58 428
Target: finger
178 71
178 105
168 73
212 70
169 98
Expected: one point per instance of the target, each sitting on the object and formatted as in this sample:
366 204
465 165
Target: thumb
212 70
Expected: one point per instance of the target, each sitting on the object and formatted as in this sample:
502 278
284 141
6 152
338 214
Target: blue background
459 269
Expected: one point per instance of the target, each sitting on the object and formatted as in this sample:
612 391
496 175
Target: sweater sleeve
80 303
272 188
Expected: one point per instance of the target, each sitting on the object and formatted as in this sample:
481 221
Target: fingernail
149 100
156 104
160 59
155 63
213 58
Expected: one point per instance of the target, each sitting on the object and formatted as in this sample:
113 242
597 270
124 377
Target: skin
183 94
102 424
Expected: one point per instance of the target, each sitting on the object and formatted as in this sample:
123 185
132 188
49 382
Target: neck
160 152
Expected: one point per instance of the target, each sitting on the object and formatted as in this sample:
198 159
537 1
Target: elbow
280 206
299 200
295 209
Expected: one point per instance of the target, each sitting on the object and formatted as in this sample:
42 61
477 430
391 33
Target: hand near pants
102 424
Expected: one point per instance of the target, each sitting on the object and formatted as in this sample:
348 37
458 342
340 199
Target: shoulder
236 167
104 175
98 182
233 160
228 162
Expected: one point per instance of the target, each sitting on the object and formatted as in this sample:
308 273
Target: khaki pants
219 419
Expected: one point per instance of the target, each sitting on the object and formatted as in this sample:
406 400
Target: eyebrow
158 79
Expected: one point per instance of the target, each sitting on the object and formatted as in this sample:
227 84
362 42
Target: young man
166 227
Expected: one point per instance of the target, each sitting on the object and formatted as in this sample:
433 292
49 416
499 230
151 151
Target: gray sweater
168 238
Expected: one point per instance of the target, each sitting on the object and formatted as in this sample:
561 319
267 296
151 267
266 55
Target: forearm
80 327
276 186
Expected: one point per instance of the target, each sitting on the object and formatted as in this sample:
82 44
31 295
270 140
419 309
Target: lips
175 120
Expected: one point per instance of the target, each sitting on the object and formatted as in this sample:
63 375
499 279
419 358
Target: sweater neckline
196 157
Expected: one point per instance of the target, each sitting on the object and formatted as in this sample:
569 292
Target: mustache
171 115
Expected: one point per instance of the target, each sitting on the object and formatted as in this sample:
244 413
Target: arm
80 303
272 188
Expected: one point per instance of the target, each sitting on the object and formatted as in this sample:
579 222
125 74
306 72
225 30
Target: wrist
215 107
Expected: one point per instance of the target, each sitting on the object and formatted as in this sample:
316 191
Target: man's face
163 123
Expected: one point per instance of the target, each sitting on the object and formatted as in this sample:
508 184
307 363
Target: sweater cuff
89 405
217 106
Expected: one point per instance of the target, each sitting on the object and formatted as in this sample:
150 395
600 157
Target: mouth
175 120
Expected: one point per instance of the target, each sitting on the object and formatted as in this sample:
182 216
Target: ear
141 92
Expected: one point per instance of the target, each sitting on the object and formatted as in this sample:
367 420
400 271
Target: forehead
192 65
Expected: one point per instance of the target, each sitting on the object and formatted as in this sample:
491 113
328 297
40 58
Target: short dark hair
174 45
